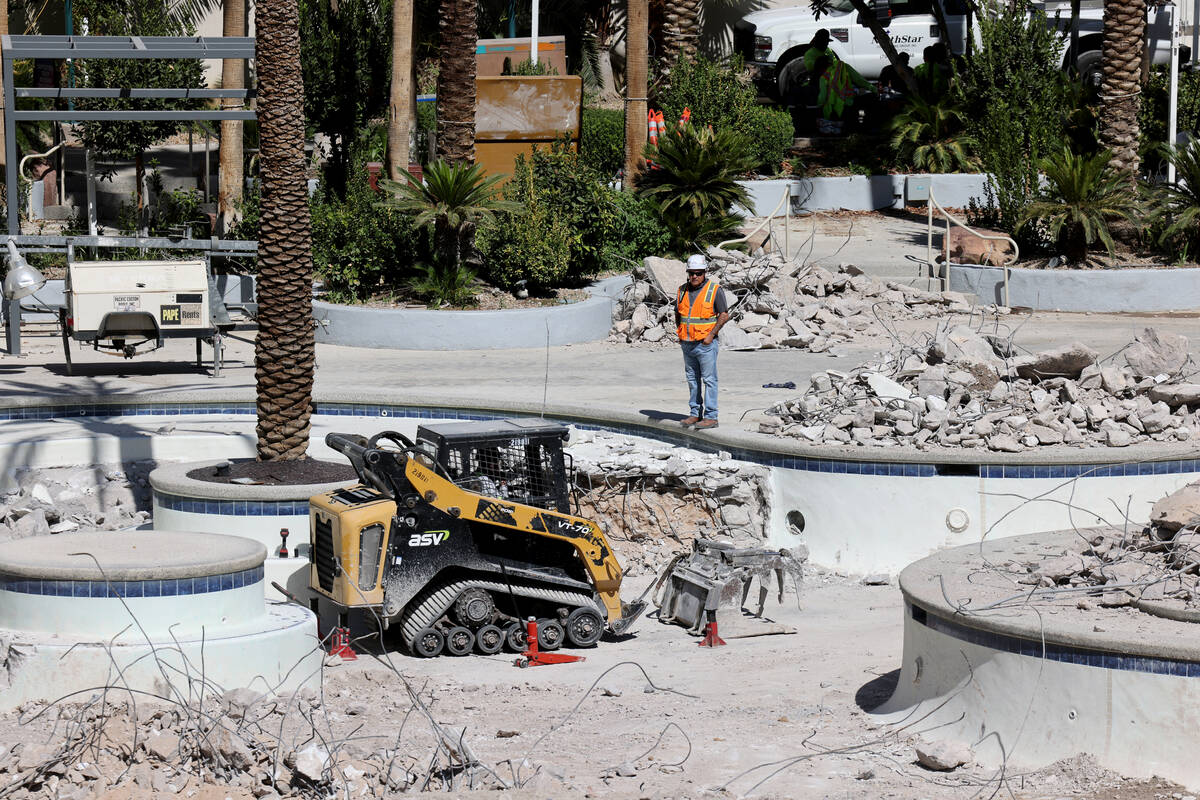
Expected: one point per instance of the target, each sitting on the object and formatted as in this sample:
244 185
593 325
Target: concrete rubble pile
776 303
1153 569
233 742
652 501
66 499
967 388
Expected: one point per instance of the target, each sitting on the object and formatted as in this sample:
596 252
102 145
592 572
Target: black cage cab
509 459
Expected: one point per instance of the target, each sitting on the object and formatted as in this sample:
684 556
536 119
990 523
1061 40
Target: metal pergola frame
17 48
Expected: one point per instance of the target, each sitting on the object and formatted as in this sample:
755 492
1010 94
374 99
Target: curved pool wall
858 514
1027 686
505 329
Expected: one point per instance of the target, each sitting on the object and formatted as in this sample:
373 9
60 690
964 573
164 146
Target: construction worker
700 312
835 94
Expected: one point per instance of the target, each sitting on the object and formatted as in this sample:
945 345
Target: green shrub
693 183
1176 217
1083 193
1152 113
359 248
534 246
602 140
527 67
1012 92
719 93
639 232
931 137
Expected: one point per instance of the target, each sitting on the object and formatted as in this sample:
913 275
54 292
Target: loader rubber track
434 601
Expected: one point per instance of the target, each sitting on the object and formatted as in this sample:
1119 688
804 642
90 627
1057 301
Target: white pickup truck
772 41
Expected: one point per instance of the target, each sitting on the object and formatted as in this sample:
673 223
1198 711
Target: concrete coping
173 479
1121 290
129 556
967 584
635 424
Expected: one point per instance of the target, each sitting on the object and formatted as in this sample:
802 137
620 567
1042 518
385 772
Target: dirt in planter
277 473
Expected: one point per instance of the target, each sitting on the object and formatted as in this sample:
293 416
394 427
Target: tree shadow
874 693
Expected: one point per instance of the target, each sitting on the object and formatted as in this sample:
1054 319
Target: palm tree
401 111
285 350
232 77
636 57
1121 55
1082 195
456 81
932 137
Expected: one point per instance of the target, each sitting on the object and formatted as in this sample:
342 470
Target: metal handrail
945 279
21 166
787 213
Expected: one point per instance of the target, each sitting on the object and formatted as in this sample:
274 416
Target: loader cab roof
488 430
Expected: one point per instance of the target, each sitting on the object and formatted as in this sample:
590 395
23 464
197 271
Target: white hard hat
697 262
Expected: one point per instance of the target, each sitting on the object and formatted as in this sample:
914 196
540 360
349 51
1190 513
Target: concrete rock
1153 353
734 338
1177 510
311 762
1176 394
944 755
1069 360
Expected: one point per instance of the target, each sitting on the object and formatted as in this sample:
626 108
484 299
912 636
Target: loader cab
518 460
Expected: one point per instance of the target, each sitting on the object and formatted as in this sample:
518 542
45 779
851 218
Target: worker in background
933 74
701 310
835 93
818 46
892 76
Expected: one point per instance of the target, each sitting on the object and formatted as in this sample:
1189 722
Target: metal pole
1195 31
1173 94
89 169
533 34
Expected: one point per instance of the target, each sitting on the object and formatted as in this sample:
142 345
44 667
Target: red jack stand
339 645
532 657
711 639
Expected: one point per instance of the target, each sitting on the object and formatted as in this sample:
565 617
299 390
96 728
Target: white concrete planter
1027 685
422 329
1108 290
858 192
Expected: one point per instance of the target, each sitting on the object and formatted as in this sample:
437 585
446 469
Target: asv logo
428 538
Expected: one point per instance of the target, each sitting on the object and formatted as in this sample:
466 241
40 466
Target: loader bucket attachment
713 583
629 615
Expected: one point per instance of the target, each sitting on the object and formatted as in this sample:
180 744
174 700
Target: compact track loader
459 537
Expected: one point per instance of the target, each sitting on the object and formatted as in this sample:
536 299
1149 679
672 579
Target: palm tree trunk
636 33
402 109
456 81
680 31
232 77
1121 64
284 351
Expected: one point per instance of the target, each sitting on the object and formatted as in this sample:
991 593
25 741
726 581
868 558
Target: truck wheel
459 641
550 634
584 627
790 75
489 640
428 643
1088 66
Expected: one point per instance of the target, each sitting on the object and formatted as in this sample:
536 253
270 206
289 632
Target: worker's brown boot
687 422
705 424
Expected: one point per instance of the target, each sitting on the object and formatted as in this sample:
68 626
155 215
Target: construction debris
962 387
65 499
775 303
652 502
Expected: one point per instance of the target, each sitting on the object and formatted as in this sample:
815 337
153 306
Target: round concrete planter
1027 683
423 329
1108 290
254 512
858 192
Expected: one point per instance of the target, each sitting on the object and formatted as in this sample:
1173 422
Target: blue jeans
700 367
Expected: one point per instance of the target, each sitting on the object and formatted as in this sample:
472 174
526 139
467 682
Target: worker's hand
708 339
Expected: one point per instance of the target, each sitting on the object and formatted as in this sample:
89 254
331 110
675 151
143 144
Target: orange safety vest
696 321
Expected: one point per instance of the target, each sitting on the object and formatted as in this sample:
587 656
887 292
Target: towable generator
460 536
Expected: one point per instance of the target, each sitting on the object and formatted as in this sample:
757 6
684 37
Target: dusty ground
773 716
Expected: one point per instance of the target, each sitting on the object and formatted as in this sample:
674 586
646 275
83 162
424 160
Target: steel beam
164 94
